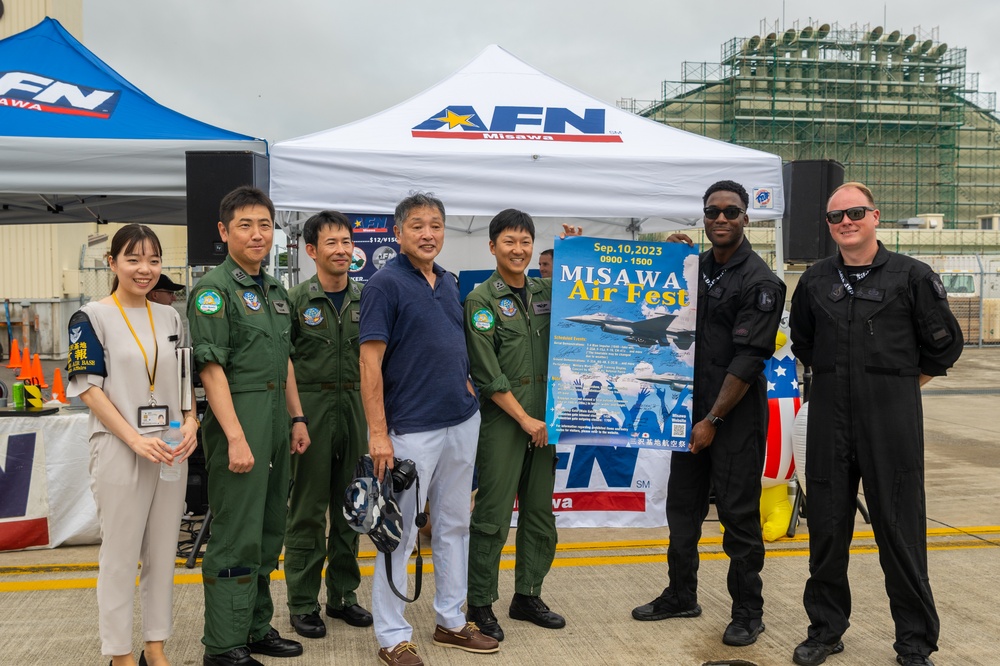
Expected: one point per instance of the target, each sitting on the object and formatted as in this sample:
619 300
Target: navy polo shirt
426 366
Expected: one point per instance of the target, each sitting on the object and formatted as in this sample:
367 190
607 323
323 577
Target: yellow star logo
357 224
454 120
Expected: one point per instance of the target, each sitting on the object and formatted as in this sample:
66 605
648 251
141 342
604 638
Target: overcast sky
277 70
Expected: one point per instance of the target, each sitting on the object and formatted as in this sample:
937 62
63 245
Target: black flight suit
867 352
738 318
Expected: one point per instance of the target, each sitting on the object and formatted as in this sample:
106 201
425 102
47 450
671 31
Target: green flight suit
328 376
508 343
246 330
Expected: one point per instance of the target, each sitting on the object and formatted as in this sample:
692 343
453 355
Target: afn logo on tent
22 90
513 123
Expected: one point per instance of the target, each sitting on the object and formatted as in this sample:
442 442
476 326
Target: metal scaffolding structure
899 111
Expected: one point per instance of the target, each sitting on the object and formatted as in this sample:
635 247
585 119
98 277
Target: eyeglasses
731 212
855 214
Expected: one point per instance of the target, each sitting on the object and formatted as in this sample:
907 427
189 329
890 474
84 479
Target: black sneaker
743 632
663 607
914 660
533 609
484 618
812 652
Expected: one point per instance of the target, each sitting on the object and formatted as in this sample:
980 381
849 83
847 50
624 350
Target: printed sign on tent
374 244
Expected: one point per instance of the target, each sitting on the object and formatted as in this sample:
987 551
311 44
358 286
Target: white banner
60 474
24 507
605 486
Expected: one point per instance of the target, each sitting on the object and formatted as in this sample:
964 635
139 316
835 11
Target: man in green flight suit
325 316
507 334
240 326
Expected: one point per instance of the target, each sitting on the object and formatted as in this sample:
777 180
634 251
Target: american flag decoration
783 403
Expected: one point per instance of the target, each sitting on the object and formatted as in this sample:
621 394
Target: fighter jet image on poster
661 330
674 381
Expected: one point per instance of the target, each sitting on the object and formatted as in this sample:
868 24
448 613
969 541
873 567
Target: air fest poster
622 343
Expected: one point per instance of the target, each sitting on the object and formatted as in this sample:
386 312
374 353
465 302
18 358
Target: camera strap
419 562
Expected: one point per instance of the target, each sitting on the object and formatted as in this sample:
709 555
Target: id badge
152 416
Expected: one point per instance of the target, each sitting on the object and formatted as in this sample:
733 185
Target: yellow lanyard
156 347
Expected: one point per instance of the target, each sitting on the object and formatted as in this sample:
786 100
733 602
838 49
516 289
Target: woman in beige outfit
122 364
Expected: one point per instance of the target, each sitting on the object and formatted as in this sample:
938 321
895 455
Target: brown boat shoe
470 639
404 654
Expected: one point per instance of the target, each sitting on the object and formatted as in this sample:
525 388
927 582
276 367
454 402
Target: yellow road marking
706 541
507 564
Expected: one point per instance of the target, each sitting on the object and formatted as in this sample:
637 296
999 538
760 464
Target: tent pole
634 227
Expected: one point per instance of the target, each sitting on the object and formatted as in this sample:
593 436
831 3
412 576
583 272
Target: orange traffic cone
58 390
25 364
36 372
15 355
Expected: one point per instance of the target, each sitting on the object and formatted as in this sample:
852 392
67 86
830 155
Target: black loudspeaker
211 175
808 184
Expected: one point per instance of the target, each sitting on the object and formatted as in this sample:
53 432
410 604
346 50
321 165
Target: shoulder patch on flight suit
837 292
239 274
312 316
767 299
355 316
313 288
280 306
355 290
482 320
507 307
939 289
499 285
209 302
542 307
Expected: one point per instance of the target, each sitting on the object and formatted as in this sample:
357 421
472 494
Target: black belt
313 387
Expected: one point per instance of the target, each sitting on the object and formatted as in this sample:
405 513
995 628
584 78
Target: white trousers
140 518
445 459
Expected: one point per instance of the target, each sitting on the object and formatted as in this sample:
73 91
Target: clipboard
184 377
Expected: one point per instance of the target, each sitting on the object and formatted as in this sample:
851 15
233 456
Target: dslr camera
404 473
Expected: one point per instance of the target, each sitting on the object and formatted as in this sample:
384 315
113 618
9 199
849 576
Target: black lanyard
847 283
711 283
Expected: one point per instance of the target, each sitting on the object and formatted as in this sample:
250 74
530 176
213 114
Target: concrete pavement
49 609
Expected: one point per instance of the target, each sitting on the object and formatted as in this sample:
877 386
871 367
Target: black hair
416 200
511 219
127 239
322 220
727 186
545 252
243 197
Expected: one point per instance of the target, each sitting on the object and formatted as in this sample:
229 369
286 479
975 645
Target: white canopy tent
500 134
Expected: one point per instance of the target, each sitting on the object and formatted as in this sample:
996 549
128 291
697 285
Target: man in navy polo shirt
420 405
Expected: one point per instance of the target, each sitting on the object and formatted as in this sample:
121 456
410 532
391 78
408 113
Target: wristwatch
713 419
300 419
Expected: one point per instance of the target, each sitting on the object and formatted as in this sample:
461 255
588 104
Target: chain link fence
95 284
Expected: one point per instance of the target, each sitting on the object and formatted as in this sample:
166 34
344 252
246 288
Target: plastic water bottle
173 438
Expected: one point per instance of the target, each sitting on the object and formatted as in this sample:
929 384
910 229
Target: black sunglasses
855 213
731 212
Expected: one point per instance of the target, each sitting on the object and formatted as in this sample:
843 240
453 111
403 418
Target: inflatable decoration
779 463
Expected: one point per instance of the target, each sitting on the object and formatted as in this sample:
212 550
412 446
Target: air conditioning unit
931 220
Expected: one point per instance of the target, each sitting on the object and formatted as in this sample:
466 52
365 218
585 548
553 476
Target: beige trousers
140 519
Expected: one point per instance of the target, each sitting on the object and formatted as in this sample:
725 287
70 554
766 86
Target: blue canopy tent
80 143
